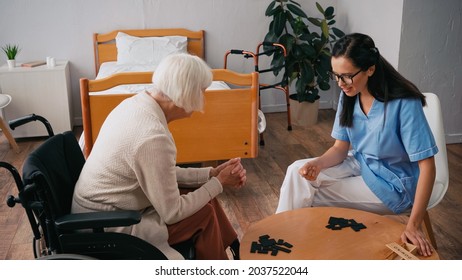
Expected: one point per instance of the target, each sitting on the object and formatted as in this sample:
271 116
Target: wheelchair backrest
55 168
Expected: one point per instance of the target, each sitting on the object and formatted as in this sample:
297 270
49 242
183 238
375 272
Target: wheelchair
45 192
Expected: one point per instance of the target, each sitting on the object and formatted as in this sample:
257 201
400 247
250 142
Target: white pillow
147 50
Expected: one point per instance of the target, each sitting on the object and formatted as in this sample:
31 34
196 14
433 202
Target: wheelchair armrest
98 220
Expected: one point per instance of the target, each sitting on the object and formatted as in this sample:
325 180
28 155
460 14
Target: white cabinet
40 90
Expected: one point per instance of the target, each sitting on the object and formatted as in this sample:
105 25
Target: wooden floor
258 199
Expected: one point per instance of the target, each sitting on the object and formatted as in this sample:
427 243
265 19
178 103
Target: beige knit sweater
132 166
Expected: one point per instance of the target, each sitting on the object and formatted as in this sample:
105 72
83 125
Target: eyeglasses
346 79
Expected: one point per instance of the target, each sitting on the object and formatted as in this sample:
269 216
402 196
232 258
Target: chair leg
289 121
9 136
234 247
429 229
262 140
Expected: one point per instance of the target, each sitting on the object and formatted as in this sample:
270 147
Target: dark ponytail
385 84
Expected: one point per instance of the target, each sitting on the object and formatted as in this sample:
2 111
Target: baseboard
275 108
453 138
78 121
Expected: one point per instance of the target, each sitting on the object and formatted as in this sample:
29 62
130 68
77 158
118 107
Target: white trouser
338 186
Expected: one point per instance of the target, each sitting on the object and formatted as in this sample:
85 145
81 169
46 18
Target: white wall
431 55
379 19
63 29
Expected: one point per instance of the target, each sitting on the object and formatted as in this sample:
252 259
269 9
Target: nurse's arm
423 192
334 155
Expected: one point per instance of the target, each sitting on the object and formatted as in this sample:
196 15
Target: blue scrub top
388 146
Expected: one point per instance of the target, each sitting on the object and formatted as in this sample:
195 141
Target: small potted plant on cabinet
308 53
11 51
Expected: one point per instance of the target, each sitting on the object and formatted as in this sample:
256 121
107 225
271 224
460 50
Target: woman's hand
416 236
230 173
310 170
216 170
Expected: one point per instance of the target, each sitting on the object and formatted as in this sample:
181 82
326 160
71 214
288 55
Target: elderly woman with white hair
132 166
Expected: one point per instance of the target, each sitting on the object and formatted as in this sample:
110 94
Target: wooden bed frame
105 47
226 129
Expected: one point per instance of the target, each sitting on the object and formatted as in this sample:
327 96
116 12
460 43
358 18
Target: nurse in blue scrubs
382 159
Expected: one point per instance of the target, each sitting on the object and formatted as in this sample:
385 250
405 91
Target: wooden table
306 230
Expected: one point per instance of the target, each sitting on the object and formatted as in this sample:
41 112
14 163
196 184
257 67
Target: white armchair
435 120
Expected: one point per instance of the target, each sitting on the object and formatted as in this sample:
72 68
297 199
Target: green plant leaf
288 41
296 3
324 64
329 11
318 45
300 86
293 24
298 26
306 72
277 63
324 85
326 51
270 37
276 10
296 10
325 29
308 43
279 23
330 18
278 59
314 21
315 35
297 52
307 36
11 51
339 33
306 94
308 51
312 95
269 10
270 29
320 9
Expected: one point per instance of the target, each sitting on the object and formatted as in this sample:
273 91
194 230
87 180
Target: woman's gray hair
182 78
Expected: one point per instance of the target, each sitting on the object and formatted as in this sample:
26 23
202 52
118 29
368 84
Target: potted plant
11 51
307 62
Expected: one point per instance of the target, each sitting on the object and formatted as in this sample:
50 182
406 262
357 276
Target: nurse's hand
416 236
310 170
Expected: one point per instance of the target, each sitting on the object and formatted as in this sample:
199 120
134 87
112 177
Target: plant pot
11 63
304 114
